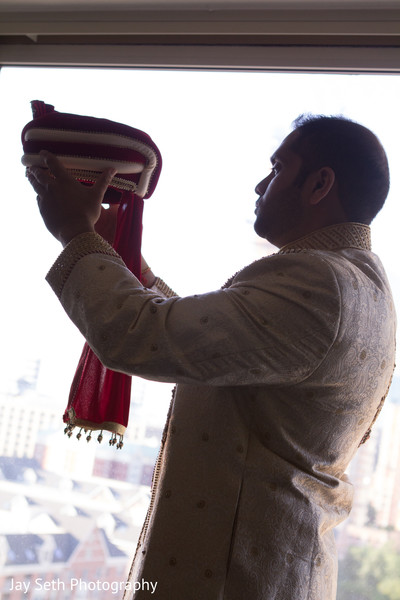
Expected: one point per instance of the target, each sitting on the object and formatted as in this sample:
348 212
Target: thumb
102 183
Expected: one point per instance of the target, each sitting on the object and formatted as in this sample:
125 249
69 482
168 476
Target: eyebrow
276 156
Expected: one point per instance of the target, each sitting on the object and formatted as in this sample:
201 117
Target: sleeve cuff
159 286
78 247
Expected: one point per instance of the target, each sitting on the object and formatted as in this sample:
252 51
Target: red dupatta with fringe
99 399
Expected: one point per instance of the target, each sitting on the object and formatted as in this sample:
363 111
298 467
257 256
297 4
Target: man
280 374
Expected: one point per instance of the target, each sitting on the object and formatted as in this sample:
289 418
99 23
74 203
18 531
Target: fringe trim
113 441
88 427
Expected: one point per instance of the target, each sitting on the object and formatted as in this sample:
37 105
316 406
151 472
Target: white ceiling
342 35
81 5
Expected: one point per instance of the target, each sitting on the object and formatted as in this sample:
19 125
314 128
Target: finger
102 183
55 166
41 175
37 186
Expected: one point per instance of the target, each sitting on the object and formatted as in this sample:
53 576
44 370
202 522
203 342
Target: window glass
73 509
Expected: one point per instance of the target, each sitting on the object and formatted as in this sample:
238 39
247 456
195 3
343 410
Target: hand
68 208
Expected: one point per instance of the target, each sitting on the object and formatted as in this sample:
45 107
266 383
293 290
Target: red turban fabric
99 398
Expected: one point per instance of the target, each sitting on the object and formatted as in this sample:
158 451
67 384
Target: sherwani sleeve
274 324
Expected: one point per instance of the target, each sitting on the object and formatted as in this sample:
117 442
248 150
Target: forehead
285 152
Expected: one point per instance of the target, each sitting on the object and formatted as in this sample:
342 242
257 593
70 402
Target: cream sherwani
280 375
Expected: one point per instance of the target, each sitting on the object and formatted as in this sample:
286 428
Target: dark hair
356 156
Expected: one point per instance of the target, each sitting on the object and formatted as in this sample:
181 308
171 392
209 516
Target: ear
320 184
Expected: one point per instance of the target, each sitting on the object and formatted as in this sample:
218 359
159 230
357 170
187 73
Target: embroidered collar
342 235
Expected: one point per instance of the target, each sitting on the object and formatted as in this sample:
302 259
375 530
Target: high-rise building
22 418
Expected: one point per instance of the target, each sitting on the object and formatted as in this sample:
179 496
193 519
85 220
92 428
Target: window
216 132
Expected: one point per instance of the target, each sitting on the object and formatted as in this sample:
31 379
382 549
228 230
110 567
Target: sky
216 132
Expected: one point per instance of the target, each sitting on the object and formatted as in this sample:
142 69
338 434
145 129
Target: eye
275 168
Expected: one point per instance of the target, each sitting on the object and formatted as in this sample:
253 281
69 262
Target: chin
258 228
265 234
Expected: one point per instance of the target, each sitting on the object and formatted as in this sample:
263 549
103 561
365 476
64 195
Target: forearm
218 338
88 243
147 278
107 302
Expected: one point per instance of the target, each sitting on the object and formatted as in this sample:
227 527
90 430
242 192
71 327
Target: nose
262 186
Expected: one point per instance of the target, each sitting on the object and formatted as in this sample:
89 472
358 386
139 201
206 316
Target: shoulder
301 268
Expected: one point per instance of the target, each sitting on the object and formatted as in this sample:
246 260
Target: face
279 208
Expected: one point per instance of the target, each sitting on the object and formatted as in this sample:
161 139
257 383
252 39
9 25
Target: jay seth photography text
79 584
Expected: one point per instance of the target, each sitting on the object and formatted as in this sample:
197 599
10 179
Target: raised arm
263 329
